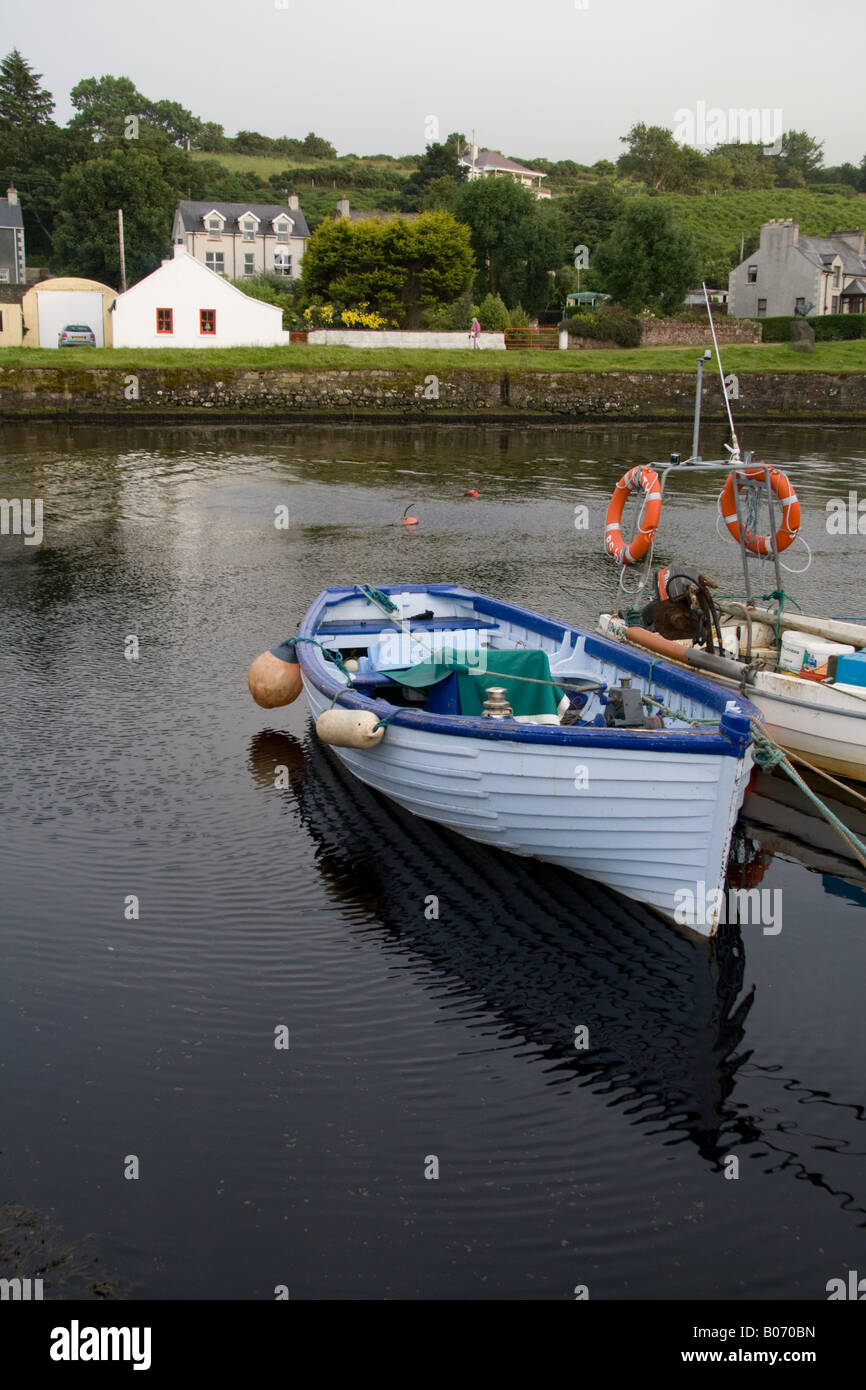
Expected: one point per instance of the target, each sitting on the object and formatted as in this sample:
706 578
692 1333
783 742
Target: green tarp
495 668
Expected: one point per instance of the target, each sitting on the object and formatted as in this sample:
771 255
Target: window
216 261
214 226
207 320
799 305
835 305
282 261
1 322
762 308
282 232
250 263
837 277
248 227
164 318
753 274
4 276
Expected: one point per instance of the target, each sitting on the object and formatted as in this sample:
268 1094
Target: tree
103 105
591 214
515 241
439 195
399 268
751 166
179 126
316 148
437 163
24 103
800 158
649 261
654 157
85 232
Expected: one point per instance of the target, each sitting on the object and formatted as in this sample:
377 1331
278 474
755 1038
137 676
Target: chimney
343 207
856 240
12 195
293 202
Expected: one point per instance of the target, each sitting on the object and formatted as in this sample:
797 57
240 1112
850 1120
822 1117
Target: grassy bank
767 357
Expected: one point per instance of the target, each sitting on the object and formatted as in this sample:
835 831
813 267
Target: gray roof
192 212
821 250
10 214
494 159
855 287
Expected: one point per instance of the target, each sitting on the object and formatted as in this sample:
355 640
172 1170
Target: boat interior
593 683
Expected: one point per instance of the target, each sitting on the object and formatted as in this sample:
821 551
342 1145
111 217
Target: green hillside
719 221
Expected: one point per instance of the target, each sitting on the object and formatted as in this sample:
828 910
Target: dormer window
282 228
214 223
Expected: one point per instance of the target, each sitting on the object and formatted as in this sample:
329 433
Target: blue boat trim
730 740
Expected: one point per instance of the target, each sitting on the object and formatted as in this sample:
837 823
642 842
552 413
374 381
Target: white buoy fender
349 728
273 682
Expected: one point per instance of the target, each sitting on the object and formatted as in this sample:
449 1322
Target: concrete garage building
183 304
49 306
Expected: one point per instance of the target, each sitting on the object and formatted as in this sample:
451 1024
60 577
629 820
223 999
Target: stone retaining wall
460 393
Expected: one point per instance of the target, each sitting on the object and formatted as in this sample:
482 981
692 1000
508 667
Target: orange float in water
409 520
471 492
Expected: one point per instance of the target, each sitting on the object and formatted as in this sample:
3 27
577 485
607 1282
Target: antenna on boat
734 449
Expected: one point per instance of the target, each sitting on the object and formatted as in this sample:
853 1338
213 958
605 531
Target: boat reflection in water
539 950
778 819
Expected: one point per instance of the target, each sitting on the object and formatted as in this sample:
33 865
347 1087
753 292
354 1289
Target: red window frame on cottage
207 321
165 321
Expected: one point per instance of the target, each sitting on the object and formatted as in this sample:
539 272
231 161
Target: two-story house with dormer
241 240
794 274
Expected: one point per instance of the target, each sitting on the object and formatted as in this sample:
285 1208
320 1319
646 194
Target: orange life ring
782 487
648 480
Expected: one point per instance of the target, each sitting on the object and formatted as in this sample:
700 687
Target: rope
768 755
679 714
328 653
376 596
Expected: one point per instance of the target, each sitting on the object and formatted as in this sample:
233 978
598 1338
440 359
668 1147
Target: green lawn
767 357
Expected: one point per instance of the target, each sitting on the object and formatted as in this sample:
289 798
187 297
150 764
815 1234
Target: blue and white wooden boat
647 811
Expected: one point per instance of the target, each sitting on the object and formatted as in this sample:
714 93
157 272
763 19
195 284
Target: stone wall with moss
102 393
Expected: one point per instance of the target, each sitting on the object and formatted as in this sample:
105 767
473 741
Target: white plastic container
804 655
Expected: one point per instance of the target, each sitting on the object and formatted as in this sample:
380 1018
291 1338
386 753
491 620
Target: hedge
829 328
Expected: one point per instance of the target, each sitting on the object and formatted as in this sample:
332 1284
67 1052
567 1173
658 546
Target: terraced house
240 240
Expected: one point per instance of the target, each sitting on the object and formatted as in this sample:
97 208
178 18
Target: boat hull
647 813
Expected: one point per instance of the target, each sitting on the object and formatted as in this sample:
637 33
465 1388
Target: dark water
303 905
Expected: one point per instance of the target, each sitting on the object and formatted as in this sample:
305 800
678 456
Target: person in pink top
475 333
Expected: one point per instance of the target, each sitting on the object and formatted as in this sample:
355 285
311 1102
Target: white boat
646 806
815 720
806 709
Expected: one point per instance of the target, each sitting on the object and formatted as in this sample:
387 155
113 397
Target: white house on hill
183 304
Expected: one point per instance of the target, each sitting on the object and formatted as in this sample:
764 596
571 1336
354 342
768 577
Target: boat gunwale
730 741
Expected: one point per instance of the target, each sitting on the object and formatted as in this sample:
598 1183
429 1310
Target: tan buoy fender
654 642
274 678
349 728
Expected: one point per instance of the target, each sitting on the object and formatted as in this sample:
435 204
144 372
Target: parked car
77 335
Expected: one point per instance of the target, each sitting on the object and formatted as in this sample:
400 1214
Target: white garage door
57 308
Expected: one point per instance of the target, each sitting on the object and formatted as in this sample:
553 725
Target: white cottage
183 304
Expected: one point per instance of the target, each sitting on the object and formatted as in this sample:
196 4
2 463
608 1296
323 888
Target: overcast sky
534 77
